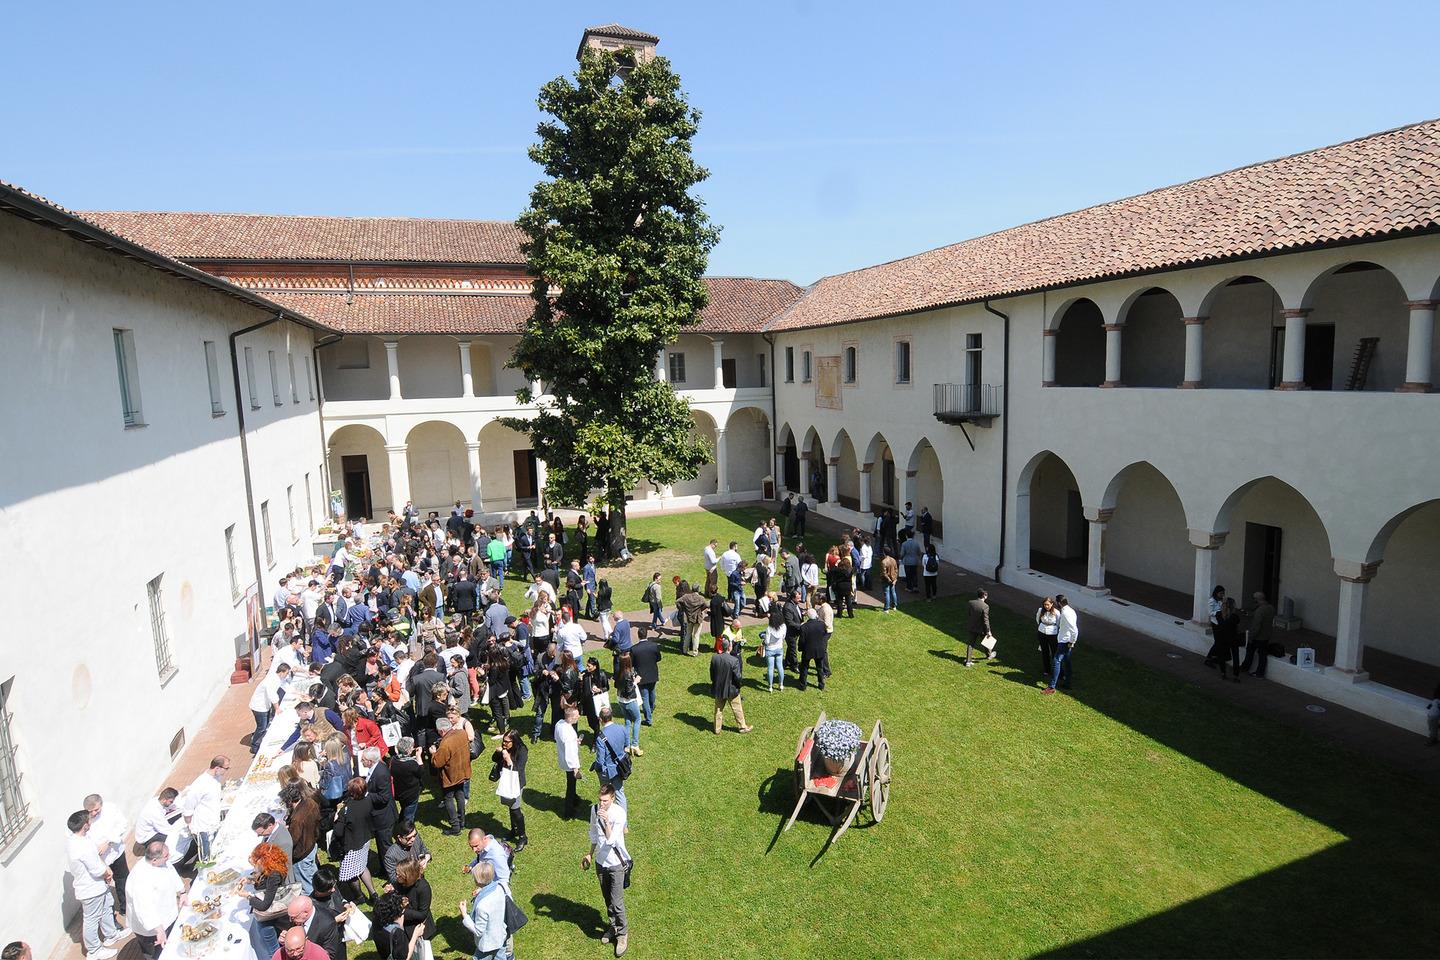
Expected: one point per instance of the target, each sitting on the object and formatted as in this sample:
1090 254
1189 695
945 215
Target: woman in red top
364 732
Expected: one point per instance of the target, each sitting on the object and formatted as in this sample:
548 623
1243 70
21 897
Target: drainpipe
245 451
1004 434
320 409
774 424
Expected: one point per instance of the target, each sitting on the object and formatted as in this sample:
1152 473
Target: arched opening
1059 537
747 452
705 482
929 486
1149 559
815 465
429 369
1152 346
847 472
1358 330
1242 334
1278 545
439 468
1080 346
509 472
1401 650
360 469
884 483
791 459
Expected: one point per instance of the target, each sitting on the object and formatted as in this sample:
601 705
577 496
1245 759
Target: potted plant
837 741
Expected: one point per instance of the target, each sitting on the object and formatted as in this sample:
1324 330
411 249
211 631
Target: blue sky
838 135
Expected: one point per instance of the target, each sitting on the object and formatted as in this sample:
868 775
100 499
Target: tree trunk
618 546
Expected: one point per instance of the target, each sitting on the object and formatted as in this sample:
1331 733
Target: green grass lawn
1138 817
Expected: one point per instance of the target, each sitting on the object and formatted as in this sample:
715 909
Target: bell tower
614 37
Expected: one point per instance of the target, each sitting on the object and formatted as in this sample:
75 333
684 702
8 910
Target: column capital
866 467
392 344
1049 332
472 445
833 461
911 474
1203 540
395 448
1099 514
780 451
1298 313
804 454
1194 321
1114 327
1421 304
463 344
719 432
1356 571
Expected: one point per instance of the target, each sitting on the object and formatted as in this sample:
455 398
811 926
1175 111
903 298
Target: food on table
207 905
222 877
198 933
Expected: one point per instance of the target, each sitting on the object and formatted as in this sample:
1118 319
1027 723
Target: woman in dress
1047 625
627 691
1227 638
271 868
605 607
513 755
353 829
497 686
582 536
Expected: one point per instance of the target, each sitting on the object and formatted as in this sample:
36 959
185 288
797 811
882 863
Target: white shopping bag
357 928
508 786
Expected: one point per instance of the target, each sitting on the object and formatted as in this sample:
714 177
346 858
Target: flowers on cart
837 739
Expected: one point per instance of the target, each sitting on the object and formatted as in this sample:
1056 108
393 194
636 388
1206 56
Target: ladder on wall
1360 365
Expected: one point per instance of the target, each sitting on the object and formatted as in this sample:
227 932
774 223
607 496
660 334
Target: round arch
747 451
790 460
706 481
1152 347
1149 559
925 483
438 465
360 469
1051 534
885 487
1350 305
847 470
1241 314
1406 552
1080 345
509 470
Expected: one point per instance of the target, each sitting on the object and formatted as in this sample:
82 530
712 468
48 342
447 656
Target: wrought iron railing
959 400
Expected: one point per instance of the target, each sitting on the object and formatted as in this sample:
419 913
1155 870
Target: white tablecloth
258 792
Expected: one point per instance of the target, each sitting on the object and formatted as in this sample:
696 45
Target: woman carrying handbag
509 770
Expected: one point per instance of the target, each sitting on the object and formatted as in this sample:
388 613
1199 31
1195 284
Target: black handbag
515 917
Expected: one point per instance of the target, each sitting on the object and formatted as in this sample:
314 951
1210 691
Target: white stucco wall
159 497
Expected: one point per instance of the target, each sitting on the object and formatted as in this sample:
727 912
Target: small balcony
960 403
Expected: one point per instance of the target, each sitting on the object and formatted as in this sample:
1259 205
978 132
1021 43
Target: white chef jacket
150 904
202 804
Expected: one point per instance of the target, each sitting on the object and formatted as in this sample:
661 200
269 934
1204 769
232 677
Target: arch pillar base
1192 385
1111 384
1415 388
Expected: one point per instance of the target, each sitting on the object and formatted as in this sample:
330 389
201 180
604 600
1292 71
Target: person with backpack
612 763
929 572
654 597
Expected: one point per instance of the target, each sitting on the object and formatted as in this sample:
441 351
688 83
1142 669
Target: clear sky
838 135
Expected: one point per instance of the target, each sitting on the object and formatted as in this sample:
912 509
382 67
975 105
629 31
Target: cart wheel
799 768
879 779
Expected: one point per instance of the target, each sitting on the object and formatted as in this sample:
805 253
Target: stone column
477 501
662 367
1293 377
1095 562
780 490
865 505
1422 338
718 347
392 362
1206 546
399 475
537 390
1194 353
467 379
805 473
722 478
832 480
540 475
1047 362
1112 355
1350 618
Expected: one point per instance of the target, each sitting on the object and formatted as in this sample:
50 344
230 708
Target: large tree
618 246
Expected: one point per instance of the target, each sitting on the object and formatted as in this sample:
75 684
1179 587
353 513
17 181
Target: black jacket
814 641
646 657
463 597
724 676
382 797
518 758
327 933
719 613
408 779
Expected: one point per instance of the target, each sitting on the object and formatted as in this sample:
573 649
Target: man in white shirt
532 592
108 829
571 636
1067 634
712 566
310 601
289 648
567 751
201 803
867 560
730 559
91 880
161 819
153 899
264 700
608 826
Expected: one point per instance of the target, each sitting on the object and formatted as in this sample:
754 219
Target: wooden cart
865 782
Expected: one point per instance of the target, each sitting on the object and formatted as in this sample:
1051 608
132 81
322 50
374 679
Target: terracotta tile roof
744 304
621 33
245 236
1377 186
737 305
401 313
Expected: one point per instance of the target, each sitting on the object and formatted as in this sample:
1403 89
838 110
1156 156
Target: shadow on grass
559 909
698 722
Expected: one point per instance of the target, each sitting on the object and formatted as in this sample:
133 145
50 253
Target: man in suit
979 624
319 926
1257 644
464 598
797 519
814 645
645 655
793 620
431 597
554 553
381 791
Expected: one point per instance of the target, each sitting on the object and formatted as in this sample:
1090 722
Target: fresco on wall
827 382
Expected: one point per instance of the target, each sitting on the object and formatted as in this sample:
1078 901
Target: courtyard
1142 815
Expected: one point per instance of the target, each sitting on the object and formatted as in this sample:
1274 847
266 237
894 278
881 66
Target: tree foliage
618 248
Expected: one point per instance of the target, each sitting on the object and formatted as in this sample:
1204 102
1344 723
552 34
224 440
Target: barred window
230 558
14 812
164 665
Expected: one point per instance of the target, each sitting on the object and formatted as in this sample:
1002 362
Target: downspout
774 423
245 448
320 410
1004 435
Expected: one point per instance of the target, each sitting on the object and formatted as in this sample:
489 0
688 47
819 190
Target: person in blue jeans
889 576
655 597
774 647
1066 638
736 585
627 691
